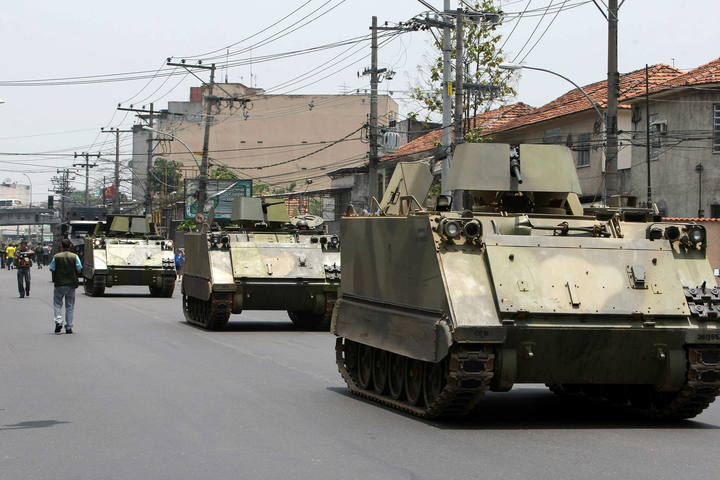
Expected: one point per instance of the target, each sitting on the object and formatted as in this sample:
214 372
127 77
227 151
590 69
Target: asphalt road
138 394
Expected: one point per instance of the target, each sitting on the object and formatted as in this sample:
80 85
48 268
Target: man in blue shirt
65 267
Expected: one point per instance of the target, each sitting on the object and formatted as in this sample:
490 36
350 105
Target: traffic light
51 201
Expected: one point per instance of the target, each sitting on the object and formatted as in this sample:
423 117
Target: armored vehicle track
700 390
428 390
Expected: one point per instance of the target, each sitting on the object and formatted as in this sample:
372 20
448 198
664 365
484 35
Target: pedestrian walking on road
23 262
38 255
10 256
2 255
46 255
179 262
65 267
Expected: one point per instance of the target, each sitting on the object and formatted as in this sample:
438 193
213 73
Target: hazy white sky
48 39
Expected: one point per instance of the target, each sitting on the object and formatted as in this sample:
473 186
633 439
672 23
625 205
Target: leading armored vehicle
263 261
439 306
126 250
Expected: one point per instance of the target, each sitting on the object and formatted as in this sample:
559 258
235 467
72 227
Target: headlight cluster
168 263
454 228
99 243
326 241
689 236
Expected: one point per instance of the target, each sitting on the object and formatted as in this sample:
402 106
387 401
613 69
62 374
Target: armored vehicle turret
264 260
126 250
437 306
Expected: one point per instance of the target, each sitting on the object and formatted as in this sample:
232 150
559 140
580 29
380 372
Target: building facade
287 142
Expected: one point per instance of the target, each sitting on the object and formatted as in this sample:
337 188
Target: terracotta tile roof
689 219
631 84
499 116
708 73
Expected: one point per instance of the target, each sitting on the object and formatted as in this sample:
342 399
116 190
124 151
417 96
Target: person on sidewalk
2 255
23 262
65 267
10 256
39 255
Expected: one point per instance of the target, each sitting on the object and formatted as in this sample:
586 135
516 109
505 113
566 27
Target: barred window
583 150
716 128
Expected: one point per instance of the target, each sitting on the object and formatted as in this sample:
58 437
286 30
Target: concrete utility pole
209 100
148 180
447 103
87 167
374 147
62 188
459 73
611 151
116 197
647 136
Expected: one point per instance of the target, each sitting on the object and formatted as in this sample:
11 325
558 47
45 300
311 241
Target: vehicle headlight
334 241
672 233
696 234
169 244
472 229
451 229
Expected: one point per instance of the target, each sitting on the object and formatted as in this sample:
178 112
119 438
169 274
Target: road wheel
351 355
165 290
414 381
215 315
365 365
396 375
381 366
435 380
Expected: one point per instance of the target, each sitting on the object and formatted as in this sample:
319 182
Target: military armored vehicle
79 222
436 306
126 250
265 260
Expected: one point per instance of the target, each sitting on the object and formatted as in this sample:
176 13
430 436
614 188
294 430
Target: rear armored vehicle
265 260
439 306
126 250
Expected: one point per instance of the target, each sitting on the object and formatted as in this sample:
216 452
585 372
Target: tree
482 58
223 173
165 176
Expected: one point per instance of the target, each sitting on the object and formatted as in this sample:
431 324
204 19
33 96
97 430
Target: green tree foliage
165 176
482 57
223 173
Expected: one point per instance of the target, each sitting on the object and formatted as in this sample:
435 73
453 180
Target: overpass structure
28 216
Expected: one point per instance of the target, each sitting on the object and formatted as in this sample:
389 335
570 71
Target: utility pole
148 179
459 73
209 100
116 196
611 151
373 160
647 136
447 103
87 167
61 186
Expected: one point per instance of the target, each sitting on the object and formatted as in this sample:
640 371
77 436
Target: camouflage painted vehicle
438 307
265 261
126 250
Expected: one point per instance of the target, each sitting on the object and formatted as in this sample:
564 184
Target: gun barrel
515 170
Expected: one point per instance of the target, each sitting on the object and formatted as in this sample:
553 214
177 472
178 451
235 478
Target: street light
149 129
585 94
31 187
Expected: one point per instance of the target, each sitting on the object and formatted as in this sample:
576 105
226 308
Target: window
715 211
583 150
716 128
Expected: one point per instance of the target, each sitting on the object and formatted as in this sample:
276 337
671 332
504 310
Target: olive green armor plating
266 261
126 250
437 307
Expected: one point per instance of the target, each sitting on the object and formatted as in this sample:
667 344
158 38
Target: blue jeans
66 292
23 280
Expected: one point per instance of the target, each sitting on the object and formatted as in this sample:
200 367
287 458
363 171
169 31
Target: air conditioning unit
661 128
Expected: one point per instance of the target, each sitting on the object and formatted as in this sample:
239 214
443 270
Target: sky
49 39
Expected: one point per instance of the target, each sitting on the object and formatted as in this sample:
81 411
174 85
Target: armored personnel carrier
437 307
264 261
126 250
